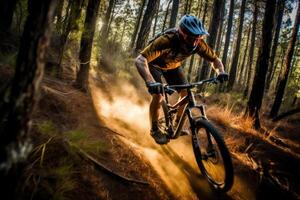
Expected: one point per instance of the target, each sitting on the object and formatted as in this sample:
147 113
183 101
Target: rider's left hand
222 77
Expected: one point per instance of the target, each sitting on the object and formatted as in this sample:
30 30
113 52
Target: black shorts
172 76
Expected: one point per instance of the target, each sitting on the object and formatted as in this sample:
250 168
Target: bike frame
203 150
189 104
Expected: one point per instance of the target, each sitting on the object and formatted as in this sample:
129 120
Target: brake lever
169 91
215 81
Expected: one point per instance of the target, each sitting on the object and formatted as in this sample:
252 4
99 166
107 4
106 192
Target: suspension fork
193 125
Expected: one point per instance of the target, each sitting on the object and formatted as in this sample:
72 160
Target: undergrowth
53 164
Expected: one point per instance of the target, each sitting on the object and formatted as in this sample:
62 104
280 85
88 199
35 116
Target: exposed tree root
87 156
286 114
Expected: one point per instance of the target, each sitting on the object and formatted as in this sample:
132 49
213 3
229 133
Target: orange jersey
165 52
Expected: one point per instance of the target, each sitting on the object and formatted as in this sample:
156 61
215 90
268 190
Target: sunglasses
190 38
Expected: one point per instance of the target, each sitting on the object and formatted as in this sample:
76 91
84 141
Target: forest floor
99 147
266 162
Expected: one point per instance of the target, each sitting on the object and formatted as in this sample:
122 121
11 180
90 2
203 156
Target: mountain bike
211 153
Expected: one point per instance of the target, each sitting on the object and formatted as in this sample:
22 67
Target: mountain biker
163 57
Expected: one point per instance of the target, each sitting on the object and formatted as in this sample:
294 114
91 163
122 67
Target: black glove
222 77
154 88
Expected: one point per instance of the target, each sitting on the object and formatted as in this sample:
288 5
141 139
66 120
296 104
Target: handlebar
171 88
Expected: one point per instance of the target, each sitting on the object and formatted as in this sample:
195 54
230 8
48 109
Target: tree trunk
220 32
104 28
204 12
166 15
19 100
233 68
174 12
104 36
59 12
228 33
243 68
286 114
186 7
280 9
213 30
251 51
152 6
199 8
7 8
72 25
123 31
86 44
155 23
287 66
257 92
137 24
190 6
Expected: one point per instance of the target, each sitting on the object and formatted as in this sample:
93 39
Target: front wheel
212 156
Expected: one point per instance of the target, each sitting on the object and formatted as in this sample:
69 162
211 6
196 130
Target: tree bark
287 66
152 6
166 15
174 12
286 114
204 12
86 44
155 23
104 28
72 25
251 51
280 7
199 8
137 24
228 33
190 6
243 67
220 32
186 7
58 13
213 30
104 36
236 54
19 100
256 96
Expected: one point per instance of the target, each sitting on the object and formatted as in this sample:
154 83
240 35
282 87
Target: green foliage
95 146
47 127
50 174
8 59
20 16
81 139
54 182
76 136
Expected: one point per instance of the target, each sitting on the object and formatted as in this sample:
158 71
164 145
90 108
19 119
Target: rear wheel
212 156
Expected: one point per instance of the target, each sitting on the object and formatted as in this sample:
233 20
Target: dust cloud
127 113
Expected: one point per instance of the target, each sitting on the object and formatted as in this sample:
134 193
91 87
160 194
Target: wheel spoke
211 157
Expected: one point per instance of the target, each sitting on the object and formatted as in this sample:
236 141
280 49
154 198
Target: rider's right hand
154 88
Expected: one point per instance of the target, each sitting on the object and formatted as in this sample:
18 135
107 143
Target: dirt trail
174 162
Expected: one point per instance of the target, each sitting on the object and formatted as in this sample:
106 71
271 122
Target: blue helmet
192 25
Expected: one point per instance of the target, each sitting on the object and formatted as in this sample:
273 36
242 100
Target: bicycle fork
209 150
